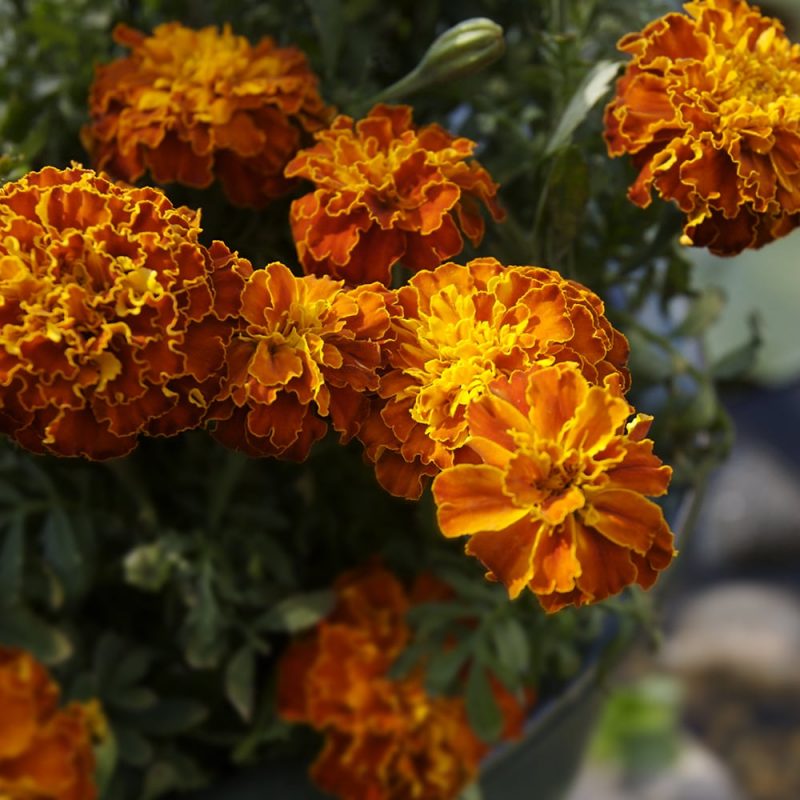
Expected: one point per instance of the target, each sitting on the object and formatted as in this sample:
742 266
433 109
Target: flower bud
461 50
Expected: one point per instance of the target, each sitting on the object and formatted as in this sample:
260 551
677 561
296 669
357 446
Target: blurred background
712 712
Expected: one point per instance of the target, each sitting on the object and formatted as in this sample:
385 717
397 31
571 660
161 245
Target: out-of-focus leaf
592 88
170 716
20 627
132 747
240 681
61 550
299 612
737 363
330 24
484 714
703 312
511 644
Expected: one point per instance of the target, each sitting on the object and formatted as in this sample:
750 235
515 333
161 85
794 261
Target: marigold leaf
511 645
61 550
298 612
20 627
485 716
594 85
240 681
134 749
443 667
170 716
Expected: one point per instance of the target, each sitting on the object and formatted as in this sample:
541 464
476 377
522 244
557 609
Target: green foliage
167 583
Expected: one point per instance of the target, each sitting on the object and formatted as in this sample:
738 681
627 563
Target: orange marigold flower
385 738
306 349
558 499
459 328
45 752
387 191
191 105
113 317
709 109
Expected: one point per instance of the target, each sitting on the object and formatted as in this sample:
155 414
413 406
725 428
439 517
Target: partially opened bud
459 51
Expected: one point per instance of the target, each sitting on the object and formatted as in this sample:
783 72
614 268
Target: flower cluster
385 738
194 105
305 349
113 315
457 328
709 110
557 500
387 191
45 751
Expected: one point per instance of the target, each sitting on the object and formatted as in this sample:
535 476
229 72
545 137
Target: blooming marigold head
113 317
306 349
194 105
386 738
387 191
45 751
457 329
709 110
558 498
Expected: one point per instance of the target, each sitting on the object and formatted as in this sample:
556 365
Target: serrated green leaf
485 716
240 681
299 612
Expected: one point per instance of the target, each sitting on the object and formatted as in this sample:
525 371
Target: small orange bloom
306 349
558 501
45 752
191 106
459 328
709 109
113 317
385 738
387 191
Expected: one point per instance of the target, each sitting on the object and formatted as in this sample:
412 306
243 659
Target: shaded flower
194 105
113 317
709 110
385 738
387 191
306 350
45 751
460 327
558 499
